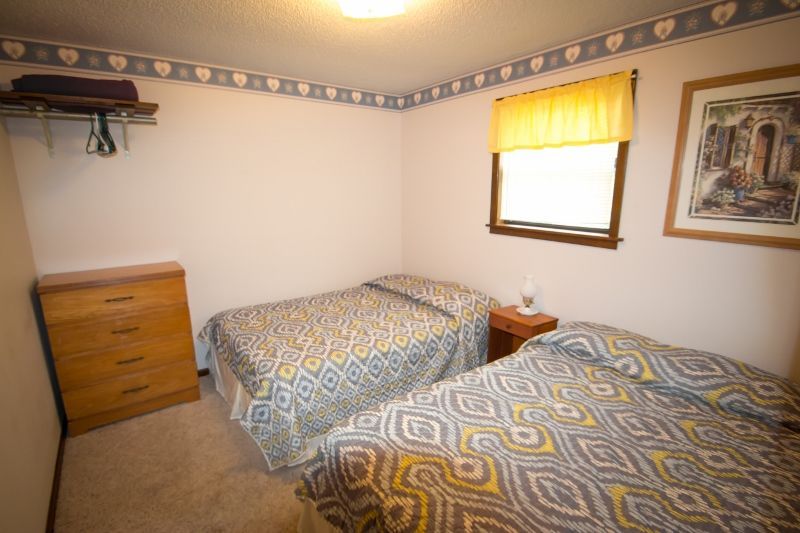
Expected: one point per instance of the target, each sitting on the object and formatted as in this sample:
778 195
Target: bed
587 428
292 369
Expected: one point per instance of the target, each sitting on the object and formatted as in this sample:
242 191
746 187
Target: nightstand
509 329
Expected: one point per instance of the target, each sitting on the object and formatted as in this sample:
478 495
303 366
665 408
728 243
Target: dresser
508 330
121 339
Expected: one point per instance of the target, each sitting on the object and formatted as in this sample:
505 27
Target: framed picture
736 173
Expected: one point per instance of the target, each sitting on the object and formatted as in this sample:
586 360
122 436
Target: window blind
581 178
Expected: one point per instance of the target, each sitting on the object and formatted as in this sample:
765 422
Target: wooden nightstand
509 329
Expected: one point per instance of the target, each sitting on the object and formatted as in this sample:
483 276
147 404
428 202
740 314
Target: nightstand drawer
130 389
514 328
112 300
83 370
73 338
508 330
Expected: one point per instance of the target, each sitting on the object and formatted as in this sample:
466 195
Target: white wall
259 198
263 198
29 423
738 300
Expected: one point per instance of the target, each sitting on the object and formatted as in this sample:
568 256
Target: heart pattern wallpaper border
690 23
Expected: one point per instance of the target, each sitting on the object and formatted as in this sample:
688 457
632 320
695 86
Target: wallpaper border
693 22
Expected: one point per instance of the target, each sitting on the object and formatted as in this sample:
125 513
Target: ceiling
310 39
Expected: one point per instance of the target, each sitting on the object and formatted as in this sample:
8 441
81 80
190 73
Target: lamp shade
528 289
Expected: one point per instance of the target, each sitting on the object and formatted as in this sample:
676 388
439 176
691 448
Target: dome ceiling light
371 9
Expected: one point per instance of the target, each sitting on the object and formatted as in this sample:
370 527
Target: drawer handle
136 389
124 330
131 360
119 299
508 326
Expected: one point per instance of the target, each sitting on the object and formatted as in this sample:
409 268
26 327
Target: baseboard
51 512
202 372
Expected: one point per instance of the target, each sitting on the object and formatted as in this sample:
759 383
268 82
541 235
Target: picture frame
736 169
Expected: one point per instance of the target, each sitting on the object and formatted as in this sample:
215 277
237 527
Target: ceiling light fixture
371 9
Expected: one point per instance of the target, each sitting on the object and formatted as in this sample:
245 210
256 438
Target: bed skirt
227 385
238 399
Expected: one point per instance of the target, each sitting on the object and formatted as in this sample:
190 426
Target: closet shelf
48 102
47 107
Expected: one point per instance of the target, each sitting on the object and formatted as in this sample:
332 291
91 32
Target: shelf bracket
124 118
48 136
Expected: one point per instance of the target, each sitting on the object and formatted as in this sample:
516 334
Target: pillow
455 299
728 386
413 287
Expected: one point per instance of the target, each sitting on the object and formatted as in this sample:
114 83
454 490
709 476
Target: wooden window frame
610 241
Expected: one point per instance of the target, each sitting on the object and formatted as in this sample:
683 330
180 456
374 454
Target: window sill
585 239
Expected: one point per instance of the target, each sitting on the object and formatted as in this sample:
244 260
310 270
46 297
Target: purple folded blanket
75 86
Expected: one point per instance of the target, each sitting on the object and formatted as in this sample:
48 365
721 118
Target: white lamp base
527 311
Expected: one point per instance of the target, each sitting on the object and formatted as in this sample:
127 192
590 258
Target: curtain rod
634 76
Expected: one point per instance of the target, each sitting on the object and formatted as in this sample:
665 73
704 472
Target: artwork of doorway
749 160
736 172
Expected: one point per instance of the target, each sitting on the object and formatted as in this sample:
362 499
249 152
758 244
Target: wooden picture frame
736 171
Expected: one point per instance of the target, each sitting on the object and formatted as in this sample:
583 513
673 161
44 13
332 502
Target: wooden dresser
122 341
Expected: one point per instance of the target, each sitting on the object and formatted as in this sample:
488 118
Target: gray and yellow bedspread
311 362
587 428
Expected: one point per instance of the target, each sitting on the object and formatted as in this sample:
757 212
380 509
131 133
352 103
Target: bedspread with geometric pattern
311 362
588 428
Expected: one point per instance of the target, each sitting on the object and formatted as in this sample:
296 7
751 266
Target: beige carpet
185 468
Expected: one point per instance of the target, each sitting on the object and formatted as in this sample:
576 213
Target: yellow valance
591 111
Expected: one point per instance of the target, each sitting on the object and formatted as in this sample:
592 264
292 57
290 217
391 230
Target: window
795 165
719 146
568 189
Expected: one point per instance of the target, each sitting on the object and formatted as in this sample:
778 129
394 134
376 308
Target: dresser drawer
69 338
112 300
82 370
130 389
509 326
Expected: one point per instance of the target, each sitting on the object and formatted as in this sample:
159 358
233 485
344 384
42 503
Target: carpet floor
184 468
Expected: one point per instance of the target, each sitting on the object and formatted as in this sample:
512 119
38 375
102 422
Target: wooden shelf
54 102
47 107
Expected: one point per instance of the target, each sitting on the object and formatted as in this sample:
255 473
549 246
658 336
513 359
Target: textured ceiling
310 39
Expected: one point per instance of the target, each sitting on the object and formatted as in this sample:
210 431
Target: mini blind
569 188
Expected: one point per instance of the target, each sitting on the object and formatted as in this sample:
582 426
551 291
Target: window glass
568 188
